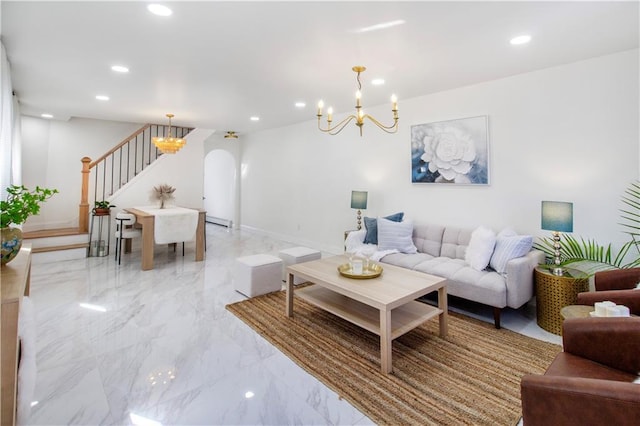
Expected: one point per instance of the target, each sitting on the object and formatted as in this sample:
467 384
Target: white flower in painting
450 151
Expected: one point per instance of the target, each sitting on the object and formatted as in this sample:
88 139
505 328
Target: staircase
51 245
100 180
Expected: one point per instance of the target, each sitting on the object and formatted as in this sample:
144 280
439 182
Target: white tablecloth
173 224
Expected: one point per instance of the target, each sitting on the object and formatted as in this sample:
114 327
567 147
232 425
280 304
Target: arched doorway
220 187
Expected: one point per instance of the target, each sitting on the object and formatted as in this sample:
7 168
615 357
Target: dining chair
125 231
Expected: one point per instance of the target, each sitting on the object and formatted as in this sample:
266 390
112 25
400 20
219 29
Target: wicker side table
553 292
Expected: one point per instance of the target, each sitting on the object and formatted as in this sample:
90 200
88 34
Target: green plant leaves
22 203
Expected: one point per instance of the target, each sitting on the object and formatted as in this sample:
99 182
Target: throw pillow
509 246
371 223
480 248
396 236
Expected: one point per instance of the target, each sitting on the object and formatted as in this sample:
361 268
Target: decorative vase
11 243
162 203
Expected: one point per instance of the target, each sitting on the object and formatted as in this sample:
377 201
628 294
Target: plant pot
11 243
101 212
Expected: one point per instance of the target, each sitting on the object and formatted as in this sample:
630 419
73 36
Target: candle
394 103
329 114
358 96
320 106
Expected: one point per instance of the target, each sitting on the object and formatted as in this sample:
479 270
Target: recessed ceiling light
381 26
160 10
46 115
377 81
300 105
120 68
102 97
254 118
523 39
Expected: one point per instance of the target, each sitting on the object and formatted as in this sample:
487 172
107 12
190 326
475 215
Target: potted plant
15 210
102 208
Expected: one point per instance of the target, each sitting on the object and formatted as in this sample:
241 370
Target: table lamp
557 216
359 201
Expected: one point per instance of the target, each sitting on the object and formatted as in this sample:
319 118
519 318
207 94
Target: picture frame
451 151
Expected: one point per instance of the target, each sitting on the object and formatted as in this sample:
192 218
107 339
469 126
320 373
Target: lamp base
359 220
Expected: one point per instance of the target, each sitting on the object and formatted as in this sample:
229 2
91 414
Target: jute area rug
471 377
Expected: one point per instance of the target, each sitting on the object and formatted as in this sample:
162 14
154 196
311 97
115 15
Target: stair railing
119 165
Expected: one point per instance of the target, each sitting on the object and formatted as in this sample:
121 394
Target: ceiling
216 64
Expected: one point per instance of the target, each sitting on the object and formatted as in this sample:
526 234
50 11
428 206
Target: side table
553 292
99 243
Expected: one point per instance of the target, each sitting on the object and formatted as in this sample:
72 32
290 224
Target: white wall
182 170
568 133
51 154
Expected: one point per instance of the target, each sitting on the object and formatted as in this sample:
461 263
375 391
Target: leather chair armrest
614 342
628 298
557 400
616 279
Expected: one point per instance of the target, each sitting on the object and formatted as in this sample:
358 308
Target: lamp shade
359 200
557 216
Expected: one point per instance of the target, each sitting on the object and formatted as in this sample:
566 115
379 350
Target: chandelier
359 116
231 135
169 144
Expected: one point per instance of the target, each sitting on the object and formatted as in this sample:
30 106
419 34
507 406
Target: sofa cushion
480 248
395 236
428 238
509 246
403 260
371 224
454 242
486 287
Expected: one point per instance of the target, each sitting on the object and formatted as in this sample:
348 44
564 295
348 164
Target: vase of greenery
102 208
15 210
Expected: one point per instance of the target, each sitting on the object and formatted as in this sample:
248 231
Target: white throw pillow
480 248
395 236
509 246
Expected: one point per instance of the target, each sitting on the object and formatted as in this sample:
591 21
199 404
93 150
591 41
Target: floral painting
453 151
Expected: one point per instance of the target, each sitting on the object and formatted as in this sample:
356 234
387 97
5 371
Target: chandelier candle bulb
329 114
358 97
394 103
320 106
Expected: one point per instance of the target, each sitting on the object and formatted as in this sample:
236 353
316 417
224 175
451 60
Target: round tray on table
372 271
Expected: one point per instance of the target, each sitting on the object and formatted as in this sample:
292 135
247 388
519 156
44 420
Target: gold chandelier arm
389 129
341 125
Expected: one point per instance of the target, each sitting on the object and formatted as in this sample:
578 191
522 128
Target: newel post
83 215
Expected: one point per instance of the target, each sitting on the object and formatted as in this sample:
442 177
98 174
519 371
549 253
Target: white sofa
440 250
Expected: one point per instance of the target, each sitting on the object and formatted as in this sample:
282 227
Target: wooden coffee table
384 305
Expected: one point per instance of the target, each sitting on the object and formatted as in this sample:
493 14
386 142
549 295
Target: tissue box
610 309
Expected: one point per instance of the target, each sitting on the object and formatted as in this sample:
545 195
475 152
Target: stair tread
56 232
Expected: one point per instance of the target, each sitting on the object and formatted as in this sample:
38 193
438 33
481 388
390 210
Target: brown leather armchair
590 382
615 285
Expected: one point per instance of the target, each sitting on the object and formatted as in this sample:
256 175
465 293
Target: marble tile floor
119 346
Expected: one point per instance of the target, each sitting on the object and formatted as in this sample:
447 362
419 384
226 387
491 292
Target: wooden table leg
200 237
147 242
386 343
289 307
442 304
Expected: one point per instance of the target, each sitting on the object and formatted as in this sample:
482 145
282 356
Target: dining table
153 232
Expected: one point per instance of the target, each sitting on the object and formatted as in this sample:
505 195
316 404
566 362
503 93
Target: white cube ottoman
294 255
258 274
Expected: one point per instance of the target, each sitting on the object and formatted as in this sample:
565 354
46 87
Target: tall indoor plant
15 210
